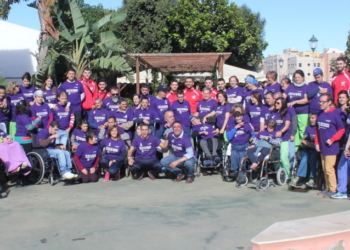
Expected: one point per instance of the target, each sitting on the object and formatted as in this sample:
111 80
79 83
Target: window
318 65
308 64
308 74
300 65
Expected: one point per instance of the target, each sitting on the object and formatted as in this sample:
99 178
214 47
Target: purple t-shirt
110 105
242 134
44 134
80 136
221 112
281 123
328 125
88 154
123 117
28 92
74 90
295 93
145 148
180 144
43 111
314 106
21 122
50 96
232 123
204 127
265 133
113 148
206 107
247 96
309 133
99 116
234 93
256 112
275 88
182 112
160 106
145 114
62 116
14 99
5 117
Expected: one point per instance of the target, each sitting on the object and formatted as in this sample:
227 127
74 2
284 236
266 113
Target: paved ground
128 214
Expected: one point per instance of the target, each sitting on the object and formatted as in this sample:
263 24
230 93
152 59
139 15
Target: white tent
146 76
16 45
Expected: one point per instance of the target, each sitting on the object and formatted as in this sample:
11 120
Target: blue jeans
63 158
114 168
343 171
63 139
237 154
188 164
308 161
141 165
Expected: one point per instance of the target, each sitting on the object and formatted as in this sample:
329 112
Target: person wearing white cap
41 109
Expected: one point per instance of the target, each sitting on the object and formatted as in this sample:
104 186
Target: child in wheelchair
206 132
262 146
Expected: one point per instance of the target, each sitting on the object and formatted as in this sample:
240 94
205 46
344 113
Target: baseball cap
251 80
318 71
162 88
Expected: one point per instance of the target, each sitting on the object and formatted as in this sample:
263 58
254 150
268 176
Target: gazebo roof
182 62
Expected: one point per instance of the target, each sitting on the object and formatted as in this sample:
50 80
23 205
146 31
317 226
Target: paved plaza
160 214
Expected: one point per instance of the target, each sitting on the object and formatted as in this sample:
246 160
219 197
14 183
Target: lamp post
313 44
281 62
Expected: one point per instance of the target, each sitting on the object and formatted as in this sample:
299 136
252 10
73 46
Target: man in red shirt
209 84
192 95
172 94
102 92
90 90
342 80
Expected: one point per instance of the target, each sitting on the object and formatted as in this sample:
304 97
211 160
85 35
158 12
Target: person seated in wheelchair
262 146
87 158
47 139
206 132
239 133
308 154
206 107
184 154
145 146
79 134
114 154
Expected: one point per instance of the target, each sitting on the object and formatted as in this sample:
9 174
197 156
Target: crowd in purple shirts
301 118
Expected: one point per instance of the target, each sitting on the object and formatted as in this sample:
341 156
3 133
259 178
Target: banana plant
75 44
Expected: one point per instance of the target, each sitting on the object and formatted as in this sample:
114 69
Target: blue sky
288 23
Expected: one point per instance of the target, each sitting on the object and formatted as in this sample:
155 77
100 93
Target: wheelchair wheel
281 177
51 180
263 183
38 167
240 184
198 169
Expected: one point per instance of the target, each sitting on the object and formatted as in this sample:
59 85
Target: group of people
312 118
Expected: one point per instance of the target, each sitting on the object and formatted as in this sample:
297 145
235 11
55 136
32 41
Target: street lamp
313 44
280 62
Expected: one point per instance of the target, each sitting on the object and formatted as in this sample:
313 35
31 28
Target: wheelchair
320 183
271 165
46 167
200 166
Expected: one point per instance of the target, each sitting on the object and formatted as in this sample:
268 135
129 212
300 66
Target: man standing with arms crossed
192 95
342 80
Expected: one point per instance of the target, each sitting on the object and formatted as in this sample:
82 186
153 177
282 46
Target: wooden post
137 75
221 66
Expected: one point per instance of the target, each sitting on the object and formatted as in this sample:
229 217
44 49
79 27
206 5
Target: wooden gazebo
180 62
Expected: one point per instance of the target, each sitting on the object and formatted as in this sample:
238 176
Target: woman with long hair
256 112
25 126
222 112
79 134
283 128
14 94
50 91
296 95
115 153
136 103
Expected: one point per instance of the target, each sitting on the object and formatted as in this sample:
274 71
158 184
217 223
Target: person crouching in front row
87 158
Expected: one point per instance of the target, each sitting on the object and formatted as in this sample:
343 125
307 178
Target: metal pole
137 75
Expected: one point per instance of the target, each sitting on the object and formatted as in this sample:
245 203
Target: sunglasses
114 94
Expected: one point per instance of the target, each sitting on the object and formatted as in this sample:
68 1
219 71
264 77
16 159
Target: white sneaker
24 165
68 175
